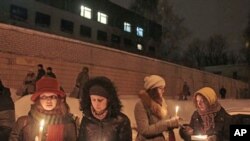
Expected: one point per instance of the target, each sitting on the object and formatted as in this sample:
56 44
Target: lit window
127 27
85 12
139 47
139 31
102 18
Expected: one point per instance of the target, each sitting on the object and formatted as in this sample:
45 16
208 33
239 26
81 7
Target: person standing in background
185 91
82 78
28 86
50 72
223 92
40 72
7 112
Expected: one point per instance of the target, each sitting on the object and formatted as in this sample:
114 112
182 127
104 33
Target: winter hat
153 81
208 93
98 90
47 84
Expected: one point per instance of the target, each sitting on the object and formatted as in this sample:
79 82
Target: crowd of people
49 117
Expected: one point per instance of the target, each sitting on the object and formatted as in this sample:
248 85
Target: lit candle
199 137
40 130
176 110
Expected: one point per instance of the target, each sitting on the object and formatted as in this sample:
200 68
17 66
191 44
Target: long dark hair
114 103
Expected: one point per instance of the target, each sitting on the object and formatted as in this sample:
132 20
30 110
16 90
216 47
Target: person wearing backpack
49 106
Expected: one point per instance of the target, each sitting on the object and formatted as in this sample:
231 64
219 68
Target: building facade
95 21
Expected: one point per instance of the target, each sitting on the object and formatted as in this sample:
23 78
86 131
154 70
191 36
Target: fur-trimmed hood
114 104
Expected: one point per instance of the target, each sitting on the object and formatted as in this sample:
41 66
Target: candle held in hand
176 110
41 130
199 137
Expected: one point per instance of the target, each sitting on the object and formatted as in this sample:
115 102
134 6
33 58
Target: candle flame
176 110
41 125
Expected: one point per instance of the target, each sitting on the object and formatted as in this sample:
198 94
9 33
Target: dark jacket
109 129
221 130
7 113
40 74
115 126
6 102
57 127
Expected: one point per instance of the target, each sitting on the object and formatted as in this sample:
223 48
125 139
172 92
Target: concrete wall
22 49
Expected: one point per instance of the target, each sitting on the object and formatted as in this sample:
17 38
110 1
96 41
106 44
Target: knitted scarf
208 116
53 129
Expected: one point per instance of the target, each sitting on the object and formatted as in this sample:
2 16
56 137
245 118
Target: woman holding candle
49 118
103 120
151 114
209 119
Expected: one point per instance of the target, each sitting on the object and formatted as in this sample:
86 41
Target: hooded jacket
115 126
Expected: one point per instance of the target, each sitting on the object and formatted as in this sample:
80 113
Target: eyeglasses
52 97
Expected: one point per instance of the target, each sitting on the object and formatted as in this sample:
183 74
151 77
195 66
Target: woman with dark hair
210 118
51 108
103 120
154 123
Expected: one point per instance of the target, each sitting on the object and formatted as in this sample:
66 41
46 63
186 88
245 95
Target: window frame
102 17
86 12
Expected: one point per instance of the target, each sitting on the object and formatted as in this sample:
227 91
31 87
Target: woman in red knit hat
51 108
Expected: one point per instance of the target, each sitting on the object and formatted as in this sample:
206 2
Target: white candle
41 130
176 110
199 137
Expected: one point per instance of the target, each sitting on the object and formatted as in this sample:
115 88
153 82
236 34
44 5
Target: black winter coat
109 129
7 113
221 130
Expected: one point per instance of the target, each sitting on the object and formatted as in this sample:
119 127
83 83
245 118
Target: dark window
115 39
151 49
67 26
101 35
42 19
85 31
128 42
18 13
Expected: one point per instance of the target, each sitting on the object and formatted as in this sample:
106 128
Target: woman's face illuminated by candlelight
48 100
201 103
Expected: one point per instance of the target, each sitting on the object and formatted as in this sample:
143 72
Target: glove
212 138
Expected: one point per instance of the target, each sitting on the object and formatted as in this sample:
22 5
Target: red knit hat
47 84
